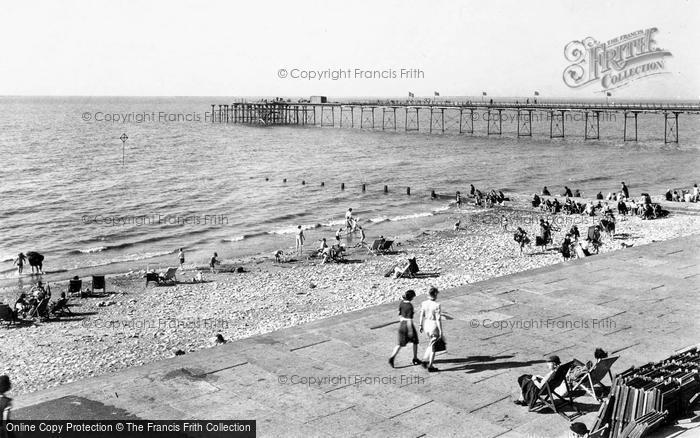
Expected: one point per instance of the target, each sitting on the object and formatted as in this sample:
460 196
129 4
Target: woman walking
407 331
429 321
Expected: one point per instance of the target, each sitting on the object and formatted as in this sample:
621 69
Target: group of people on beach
324 251
681 195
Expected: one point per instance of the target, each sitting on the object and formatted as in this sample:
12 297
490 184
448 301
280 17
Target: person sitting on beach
668 195
456 225
600 195
530 385
577 193
19 261
622 208
326 255
536 201
545 191
580 369
278 255
22 305
407 331
213 262
675 197
504 222
458 200
199 278
472 189
567 192
39 291
696 194
556 206
574 232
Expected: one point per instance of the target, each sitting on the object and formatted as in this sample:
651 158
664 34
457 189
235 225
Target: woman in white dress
430 323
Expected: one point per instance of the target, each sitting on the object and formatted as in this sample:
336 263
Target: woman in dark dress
407 331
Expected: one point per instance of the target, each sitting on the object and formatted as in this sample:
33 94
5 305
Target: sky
228 48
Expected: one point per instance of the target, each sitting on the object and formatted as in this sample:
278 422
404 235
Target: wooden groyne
458 117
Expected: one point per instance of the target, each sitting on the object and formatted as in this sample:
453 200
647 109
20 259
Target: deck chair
595 375
547 396
41 310
75 287
98 282
168 277
374 248
151 276
61 308
386 247
6 314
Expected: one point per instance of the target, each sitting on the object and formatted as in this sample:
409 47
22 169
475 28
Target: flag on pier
437 94
411 94
537 93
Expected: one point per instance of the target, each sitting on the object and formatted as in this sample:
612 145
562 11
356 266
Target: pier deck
457 117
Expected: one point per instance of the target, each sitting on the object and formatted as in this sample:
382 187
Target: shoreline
244 253
137 325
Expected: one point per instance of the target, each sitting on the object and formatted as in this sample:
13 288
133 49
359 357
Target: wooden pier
443 117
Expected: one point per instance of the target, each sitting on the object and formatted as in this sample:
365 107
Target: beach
135 324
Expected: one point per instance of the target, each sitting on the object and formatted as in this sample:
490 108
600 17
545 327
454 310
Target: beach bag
440 344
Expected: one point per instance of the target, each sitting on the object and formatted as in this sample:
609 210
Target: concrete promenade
640 303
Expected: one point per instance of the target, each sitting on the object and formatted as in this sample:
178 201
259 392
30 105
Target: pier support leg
591 129
525 124
556 124
671 128
412 120
625 136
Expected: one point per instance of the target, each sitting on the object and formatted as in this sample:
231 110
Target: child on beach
19 261
181 257
407 331
213 262
337 235
299 240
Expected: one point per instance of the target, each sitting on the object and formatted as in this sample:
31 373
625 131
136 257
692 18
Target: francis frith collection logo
616 62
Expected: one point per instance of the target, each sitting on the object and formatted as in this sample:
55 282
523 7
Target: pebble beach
137 324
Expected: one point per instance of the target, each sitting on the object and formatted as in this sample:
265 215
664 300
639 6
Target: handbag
440 344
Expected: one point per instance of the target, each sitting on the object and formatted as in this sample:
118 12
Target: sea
73 191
